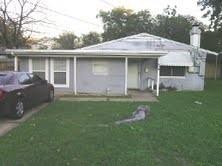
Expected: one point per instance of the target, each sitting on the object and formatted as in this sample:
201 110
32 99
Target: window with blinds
59 71
39 67
172 71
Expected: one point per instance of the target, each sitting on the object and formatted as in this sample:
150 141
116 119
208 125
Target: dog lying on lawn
140 114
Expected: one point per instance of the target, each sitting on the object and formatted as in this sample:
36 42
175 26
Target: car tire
18 110
51 95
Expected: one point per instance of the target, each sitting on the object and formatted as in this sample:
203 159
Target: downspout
158 78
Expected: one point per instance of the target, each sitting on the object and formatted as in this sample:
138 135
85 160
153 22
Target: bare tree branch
13 23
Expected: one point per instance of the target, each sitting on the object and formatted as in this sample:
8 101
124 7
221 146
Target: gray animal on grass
140 114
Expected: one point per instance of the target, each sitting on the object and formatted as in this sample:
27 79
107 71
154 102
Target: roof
172 59
145 42
141 45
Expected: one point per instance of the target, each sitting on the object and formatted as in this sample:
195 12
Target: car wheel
51 95
18 110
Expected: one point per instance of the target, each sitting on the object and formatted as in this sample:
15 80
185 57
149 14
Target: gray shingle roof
144 42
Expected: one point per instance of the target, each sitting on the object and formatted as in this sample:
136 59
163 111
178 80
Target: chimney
195 35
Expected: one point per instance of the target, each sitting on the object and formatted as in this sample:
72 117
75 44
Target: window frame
67 73
172 76
46 67
98 73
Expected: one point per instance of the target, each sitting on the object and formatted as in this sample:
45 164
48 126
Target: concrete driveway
7 124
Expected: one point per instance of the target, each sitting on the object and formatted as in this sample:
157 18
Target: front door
133 76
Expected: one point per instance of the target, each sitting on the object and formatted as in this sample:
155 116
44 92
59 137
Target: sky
87 10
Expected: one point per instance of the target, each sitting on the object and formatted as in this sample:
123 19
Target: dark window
165 71
24 79
60 77
35 78
178 71
40 74
172 71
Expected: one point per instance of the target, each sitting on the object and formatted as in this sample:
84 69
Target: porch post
16 63
74 82
215 74
158 78
126 74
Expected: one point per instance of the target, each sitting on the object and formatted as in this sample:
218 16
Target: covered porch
143 75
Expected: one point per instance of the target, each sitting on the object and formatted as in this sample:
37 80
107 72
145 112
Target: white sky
88 9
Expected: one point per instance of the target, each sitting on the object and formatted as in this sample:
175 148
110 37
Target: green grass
179 132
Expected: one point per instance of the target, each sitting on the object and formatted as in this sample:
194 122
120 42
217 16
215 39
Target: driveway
7 124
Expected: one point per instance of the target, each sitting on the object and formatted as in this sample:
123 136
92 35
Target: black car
20 91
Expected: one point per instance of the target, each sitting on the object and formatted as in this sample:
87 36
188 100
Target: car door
28 89
41 87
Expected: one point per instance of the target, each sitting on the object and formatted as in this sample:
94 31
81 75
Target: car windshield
6 79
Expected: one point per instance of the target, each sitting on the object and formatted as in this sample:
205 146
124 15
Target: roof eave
83 53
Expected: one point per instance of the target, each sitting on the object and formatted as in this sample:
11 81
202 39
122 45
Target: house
135 62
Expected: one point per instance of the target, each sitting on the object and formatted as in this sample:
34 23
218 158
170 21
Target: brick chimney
195 35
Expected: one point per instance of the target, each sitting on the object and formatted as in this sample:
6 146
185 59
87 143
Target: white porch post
16 63
74 62
158 78
126 74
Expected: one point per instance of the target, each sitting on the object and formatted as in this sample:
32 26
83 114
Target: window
6 79
100 68
60 72
39 66
24 79
35 78
172 71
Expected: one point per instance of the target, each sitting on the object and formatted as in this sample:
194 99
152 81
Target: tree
91 38
66 40
15 16
212 40
175 27
122 22
213 10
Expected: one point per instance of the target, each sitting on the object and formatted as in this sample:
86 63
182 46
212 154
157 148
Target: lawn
179 132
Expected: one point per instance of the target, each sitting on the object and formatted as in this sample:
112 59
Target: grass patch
179 132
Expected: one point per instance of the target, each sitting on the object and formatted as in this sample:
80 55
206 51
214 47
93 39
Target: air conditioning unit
193 69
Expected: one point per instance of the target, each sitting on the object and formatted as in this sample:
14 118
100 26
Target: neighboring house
135 62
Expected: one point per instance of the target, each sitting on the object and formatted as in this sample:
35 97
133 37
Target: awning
176 59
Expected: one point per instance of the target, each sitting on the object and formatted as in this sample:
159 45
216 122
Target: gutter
83 53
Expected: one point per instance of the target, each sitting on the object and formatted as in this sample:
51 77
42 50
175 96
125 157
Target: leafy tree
122 22
213 10
66 40
212 40
90 39
175 27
